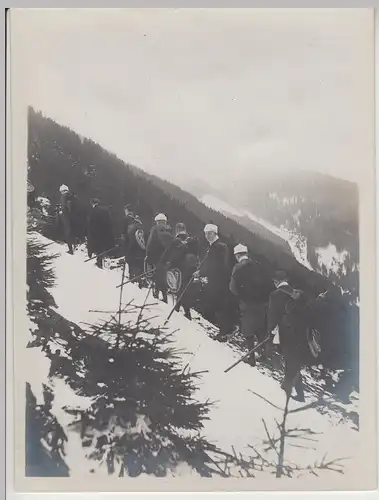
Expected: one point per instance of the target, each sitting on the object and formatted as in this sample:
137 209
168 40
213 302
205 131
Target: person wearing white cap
160 218
72 218
216 270
159 241
252 289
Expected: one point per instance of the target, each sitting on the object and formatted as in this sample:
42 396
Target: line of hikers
171 260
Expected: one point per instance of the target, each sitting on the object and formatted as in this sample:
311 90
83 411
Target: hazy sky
209 93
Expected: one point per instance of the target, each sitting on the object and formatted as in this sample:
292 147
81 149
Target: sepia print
193 257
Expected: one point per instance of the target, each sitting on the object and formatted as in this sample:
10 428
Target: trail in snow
241 395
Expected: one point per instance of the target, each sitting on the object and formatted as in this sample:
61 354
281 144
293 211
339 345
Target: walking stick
122 289
245 356
135 278
185 289
102 253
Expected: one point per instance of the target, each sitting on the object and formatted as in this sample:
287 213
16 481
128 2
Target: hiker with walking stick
252 289
159 240
182 259
70 218
99 233
134 245
217 297
285 307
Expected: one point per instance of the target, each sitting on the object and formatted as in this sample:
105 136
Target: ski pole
245 356
135 278
185 289
102 253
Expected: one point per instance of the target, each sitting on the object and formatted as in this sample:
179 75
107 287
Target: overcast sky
209 93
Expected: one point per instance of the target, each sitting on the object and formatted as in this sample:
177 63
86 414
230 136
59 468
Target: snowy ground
235 420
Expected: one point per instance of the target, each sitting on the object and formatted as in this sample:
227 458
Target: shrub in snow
45 438
143 417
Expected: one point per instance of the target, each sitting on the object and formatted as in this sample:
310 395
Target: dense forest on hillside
57 155
317 207
322 209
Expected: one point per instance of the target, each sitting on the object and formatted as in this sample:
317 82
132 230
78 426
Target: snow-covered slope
244 397
297 244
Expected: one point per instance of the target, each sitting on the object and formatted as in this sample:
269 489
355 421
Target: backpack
164 236
297 315
254 284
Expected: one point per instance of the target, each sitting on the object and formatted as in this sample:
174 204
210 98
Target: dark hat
280 276
180 228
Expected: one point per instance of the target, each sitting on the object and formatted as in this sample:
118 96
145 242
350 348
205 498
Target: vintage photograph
193 245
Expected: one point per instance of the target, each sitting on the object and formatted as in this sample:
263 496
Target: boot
70 249
187 314
251 360
287 387
298 384
299 397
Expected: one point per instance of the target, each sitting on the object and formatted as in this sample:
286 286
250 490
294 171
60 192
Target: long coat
252 290
158 242
183 253
100 233
132 249
249 284
292 338
72 217
216 269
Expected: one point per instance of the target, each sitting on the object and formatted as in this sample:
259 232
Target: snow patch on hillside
332 260
297 244
220 206
44 204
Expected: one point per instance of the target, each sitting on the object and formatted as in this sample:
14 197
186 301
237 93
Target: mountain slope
57 155
244 393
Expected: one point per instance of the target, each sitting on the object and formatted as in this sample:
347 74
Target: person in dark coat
134 245
252 290
99 234
159 240
70 218
183 254
291 336
216 269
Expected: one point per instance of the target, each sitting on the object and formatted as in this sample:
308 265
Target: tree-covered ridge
57 155
320 208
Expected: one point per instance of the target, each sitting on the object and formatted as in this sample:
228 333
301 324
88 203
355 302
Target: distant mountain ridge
318 211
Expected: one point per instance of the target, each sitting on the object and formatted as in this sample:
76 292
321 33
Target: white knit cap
160 217
240 249
63 188
211 228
